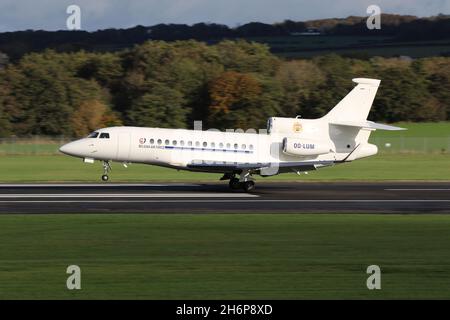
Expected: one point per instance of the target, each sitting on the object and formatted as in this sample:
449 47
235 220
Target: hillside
397 32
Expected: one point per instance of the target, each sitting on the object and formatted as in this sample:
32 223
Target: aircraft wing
221 166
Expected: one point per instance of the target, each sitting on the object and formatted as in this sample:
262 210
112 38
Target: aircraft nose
65 148
71 149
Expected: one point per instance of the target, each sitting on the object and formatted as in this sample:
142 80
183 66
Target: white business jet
288 145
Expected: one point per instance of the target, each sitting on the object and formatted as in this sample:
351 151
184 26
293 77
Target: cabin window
250 147
221 145
243 146
205 144
197 144
93 135
190 143
166 142
236 146
174 142
104 135
228 145
159 141
182 142
152 141
213 145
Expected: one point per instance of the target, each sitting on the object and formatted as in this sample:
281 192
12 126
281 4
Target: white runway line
419 189
126 195
99 185
219 201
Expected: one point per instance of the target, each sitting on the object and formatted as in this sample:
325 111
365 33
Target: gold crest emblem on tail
297 127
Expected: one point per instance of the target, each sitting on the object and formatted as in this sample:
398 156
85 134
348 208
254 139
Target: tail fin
349 128
356 105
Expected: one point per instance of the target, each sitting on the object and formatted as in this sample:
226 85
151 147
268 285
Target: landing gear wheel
248 185
106 170
234 184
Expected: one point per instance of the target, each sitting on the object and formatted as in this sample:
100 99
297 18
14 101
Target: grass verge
218 256
380 167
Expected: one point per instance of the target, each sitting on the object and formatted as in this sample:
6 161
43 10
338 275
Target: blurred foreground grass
220 256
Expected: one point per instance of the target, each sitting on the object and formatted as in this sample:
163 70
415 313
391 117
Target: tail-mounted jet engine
305 147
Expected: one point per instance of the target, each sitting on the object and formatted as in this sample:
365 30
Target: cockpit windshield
104 135
93 135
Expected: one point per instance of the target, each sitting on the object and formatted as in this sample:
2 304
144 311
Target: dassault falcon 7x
288 145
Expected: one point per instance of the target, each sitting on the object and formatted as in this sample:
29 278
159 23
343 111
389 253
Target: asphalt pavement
268 197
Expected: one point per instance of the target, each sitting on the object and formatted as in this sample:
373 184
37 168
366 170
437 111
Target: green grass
31 146
419 51
65 169
365 46
417 130
419 138
420 153
18 148
218 256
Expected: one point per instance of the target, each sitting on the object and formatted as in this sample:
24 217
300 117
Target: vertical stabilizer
356 105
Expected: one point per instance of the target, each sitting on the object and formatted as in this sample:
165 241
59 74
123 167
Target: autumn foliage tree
231 84
91 115
299 79
232 95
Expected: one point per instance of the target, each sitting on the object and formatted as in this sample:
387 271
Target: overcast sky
101 14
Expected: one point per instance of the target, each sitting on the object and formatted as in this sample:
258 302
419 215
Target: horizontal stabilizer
367 125
371 82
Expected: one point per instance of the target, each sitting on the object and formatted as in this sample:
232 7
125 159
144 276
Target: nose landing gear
106 170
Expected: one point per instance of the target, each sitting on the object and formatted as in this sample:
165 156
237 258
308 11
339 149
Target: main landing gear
247 186
106 170
244 182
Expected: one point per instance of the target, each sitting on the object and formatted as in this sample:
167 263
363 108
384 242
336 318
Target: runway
268 197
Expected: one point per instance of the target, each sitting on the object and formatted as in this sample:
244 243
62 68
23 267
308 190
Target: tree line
232 84
398 27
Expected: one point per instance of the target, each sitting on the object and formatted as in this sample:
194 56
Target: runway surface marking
224 201
127 195
100 185
182 197
418 189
